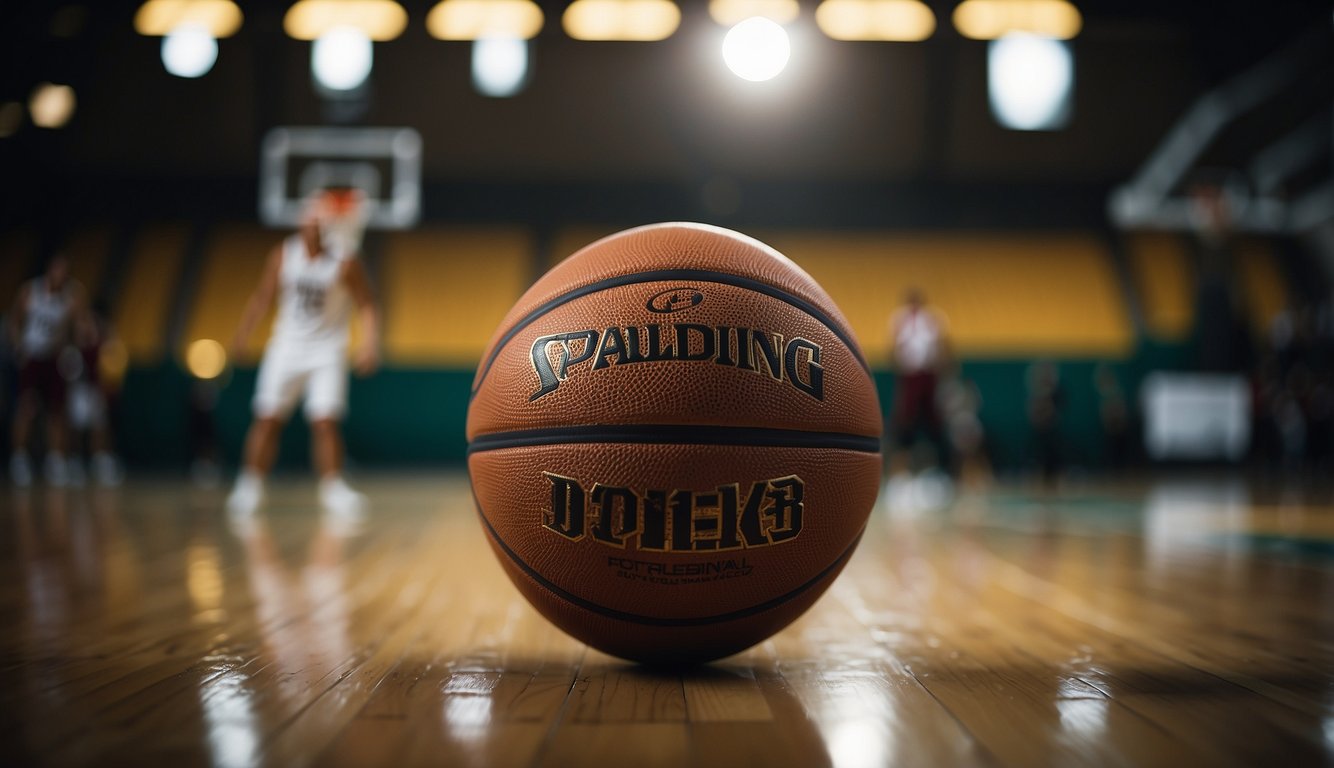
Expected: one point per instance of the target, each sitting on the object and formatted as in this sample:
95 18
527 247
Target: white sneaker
345 508
245 498
20 470
55 471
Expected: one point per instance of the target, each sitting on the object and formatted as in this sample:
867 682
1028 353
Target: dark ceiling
844 115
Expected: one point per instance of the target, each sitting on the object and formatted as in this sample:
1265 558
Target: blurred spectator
961 402
205 455
1291 423
1220 335
1320 423
44 317
920 353
1294 391
89 417
1046 397
1266 384
1114 414
8 373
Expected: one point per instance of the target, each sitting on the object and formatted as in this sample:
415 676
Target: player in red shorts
41 324
88 417
920 355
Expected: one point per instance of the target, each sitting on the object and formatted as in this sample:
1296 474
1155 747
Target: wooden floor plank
610 691
1084 628
652 745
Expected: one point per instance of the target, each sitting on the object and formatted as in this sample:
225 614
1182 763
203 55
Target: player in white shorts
318 281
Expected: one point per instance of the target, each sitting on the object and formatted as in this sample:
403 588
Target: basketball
674 443
350 417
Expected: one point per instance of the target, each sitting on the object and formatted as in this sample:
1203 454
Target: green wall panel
415 416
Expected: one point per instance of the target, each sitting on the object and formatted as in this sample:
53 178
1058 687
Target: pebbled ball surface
614 589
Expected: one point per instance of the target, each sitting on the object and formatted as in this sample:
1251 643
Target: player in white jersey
920 354
318 281
41 324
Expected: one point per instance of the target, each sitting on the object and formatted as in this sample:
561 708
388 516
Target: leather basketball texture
674 443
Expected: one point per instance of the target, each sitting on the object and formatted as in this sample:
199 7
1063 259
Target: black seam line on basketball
660 275
658 621
675 434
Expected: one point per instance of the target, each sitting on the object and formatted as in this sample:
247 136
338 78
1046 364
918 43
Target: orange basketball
674 443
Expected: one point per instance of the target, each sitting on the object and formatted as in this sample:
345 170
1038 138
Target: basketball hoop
343 216
383 163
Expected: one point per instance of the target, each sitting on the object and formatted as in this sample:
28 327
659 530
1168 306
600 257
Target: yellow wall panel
1003 294
1165 282
87 252
234 260
446 290
1007 294
1262 286
140 312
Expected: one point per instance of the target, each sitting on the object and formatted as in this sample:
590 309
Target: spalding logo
674 300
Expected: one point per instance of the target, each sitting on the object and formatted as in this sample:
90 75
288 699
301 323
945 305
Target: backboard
384 163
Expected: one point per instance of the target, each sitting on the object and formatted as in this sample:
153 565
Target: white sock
345 509
246 495
249 479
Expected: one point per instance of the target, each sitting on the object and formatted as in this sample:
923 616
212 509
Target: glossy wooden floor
1178 624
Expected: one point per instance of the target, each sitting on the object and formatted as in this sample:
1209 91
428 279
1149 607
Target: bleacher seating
234 259
1260 282
446 290
1164 280
1003 294
140 312
88 251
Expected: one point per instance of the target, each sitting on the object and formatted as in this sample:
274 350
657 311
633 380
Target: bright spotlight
341 58
189 51
499 66
756 49
1030 80
205 359
51 105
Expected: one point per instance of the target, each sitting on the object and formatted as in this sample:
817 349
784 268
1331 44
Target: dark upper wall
843 113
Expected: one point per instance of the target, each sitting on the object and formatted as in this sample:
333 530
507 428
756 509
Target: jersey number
310 299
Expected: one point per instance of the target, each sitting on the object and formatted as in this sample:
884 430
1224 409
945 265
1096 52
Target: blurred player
920 354
1046 397
81 366
42 322
961 406
317 279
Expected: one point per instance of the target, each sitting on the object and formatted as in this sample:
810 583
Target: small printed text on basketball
727 517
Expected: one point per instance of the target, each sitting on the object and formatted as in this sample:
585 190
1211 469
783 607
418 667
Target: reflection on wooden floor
1179 625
